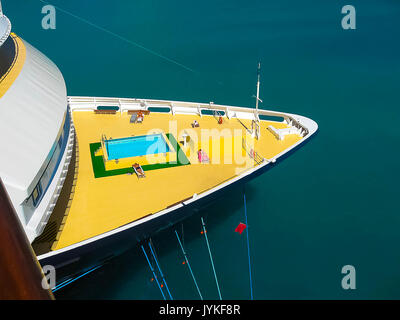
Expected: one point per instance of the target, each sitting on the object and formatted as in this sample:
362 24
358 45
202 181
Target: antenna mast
255 125
258 88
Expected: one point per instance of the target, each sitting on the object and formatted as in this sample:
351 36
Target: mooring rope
71 280
183 235
159 269
154 274
136 44
248 244
212 262
188 264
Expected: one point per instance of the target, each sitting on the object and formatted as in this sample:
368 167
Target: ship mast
258 88
255 125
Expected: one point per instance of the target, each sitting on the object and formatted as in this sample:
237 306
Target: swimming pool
136 146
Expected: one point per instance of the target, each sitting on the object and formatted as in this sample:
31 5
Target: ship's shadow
114 273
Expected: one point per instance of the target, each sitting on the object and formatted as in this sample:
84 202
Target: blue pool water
136 146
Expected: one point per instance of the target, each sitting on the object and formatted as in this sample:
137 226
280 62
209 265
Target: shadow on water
128 275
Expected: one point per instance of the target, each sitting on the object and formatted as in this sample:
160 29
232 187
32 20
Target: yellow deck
102 204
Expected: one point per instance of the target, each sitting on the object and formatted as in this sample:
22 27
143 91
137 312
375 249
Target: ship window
60 141
52 165
114 108
270 118
36 194
211 112
160 109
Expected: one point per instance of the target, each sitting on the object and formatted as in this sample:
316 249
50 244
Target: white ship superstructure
35 131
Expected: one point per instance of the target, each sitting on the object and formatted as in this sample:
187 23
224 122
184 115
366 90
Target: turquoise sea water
334 202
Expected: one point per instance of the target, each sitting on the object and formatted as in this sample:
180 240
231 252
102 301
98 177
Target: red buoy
240 228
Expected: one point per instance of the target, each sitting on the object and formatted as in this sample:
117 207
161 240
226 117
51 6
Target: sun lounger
133 118
137 116
138 170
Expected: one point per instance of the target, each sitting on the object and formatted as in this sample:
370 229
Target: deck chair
133 118
138 170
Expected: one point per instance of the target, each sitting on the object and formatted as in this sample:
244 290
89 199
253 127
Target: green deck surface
100 170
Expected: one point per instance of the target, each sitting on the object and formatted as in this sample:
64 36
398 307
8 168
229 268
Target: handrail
244 126
103 146
84 101
254 155
90 103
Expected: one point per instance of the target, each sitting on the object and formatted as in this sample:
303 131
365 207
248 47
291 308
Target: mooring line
121 37
159 269
183 235
152 270
188 264
248 243
212 262
71 280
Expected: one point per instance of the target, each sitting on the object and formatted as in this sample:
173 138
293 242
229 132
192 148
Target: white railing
56 186
251 152
304 125
103 147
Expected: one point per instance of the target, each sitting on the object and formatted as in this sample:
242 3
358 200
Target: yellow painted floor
102 204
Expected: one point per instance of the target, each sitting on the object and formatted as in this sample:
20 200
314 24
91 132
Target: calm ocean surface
332 203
